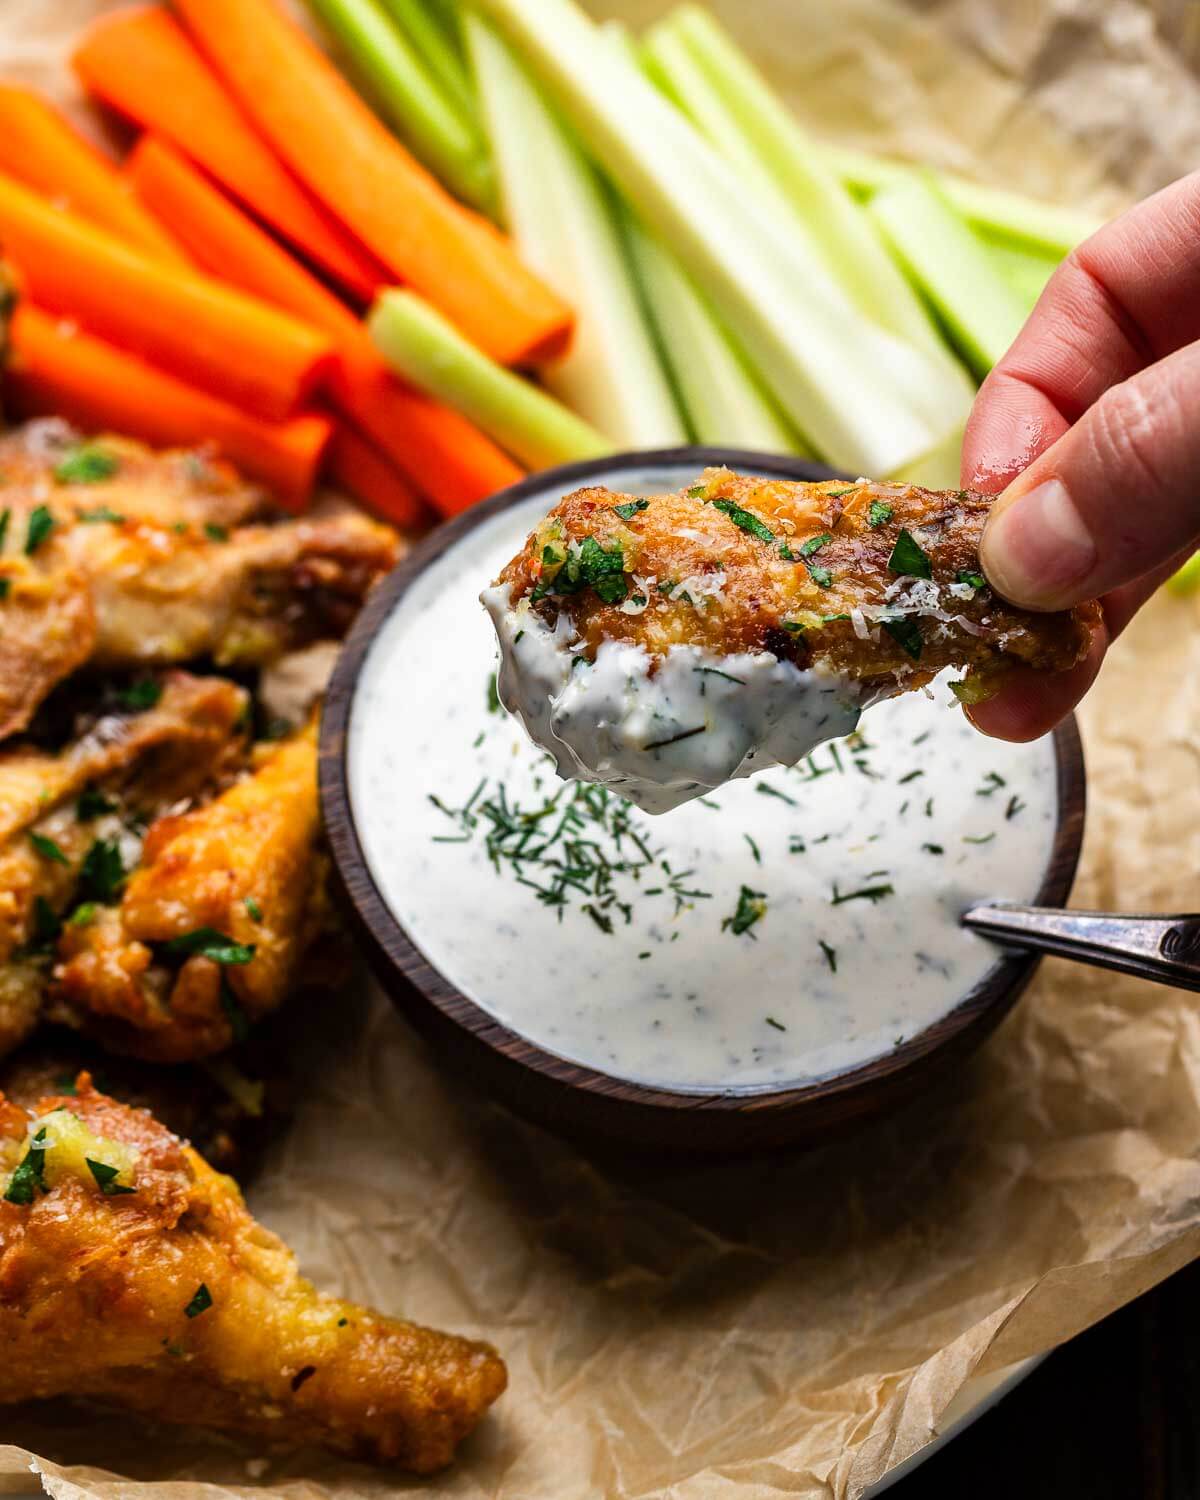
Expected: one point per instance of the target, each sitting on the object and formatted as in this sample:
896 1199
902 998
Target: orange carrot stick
207 334
357 168
140 63
441 452
355 465
45 152
100 388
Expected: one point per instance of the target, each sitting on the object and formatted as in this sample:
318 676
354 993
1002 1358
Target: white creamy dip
699 721
845 875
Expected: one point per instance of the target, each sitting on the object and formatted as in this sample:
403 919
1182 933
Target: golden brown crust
95 1292
724 565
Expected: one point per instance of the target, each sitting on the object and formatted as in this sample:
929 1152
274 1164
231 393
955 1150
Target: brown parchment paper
796 1326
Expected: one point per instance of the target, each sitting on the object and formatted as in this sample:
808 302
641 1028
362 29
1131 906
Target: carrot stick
441 452
355 465
356 167
207 334
38 146
140 63
101 388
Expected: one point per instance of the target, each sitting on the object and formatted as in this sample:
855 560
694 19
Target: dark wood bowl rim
995 992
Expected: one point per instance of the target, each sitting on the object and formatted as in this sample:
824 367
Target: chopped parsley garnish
909 558
83 914
778 1025
207 942
906 633
871 893
744 520
753 849
48 849
5 586
967 575
815 543
46 926
99 514
86 464
139 695
588 565
106 1178
216 533
253 909
5 519
200 1303
29 1176
830 954
751 908
879 514
695 492
631 508
102 873
837 494
41 524
93 804
822 577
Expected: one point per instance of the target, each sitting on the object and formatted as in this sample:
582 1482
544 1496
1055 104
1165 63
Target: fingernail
1036 549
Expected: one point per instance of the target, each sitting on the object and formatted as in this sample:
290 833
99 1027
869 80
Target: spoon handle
1164 949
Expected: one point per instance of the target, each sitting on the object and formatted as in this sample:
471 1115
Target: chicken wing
68 819
207 933
118 557
132 1273
665 644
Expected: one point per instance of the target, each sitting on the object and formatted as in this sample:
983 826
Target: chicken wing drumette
663 644
117 557
132 1273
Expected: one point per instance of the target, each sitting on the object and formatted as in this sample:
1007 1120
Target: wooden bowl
579 1100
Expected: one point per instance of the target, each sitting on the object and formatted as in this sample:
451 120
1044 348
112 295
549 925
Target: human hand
1089 427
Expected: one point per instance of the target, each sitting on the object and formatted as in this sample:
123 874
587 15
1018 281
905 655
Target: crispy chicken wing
132 1273
116 556
208 932
664 644
65 818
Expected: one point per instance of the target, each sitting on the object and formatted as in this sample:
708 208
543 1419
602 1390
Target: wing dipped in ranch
665 645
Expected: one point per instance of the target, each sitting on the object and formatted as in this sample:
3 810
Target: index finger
1125 298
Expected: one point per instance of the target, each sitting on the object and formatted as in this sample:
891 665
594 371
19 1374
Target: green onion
48 849
86 464
41 524
207 942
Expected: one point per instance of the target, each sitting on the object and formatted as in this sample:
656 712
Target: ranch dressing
779 929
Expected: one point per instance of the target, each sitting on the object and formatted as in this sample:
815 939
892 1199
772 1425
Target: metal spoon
1165 949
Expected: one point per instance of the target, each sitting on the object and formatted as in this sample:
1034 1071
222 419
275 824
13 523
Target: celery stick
947 261
564 222
426 350
409 97
724 404
994 212
749 124
866 399
1187 579
1026 271
421 25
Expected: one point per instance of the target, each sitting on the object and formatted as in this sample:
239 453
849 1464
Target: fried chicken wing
65 816
664 644
118 557
132 1273
209 930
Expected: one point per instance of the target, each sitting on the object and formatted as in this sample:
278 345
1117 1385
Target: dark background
1113 1415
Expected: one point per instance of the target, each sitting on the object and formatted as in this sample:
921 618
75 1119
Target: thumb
1116 496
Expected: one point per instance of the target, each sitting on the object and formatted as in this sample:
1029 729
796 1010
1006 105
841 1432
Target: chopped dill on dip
781 928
